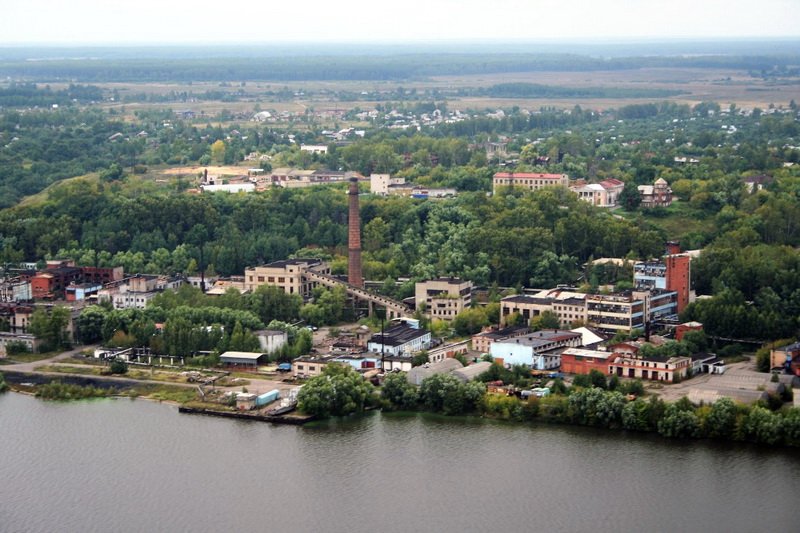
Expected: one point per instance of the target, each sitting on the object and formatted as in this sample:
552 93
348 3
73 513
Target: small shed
241 359
245 401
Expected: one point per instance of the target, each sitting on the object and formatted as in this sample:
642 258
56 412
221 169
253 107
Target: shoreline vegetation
770 423
338 393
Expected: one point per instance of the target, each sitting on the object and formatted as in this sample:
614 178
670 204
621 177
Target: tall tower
679 273
354 276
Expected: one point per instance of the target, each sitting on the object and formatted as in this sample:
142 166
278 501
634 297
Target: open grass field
694 84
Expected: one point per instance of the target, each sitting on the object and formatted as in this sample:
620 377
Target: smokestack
354 237
673 247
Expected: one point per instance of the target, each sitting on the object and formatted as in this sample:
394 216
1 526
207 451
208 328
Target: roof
293 262
761 178
419 373
398 335
543 337
790 347
529 175
612 182
589 336
472 371
250 356
504 332
582 352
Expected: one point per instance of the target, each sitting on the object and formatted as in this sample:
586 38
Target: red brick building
678 274
682 329
580 361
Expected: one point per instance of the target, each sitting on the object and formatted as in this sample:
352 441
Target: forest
396 67
121 214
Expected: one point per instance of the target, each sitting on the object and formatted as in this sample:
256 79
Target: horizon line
612 40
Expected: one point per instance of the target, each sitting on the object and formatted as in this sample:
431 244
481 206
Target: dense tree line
362 67
599 406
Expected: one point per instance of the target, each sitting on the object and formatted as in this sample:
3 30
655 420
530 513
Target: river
124 465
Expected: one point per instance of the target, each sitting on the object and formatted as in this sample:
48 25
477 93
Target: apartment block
443 298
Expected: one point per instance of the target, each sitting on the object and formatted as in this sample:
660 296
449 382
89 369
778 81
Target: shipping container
268 397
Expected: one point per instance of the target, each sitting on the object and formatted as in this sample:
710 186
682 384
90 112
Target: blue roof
285 366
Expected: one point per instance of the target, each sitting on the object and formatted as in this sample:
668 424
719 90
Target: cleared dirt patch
212 170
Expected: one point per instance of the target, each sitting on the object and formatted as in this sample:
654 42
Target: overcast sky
251 21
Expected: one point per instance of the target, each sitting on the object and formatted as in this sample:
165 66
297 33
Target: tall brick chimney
354 276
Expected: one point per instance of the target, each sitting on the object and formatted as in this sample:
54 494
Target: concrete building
613 189
287 275
536 349
443 298
399 363
360 362
592 193
531 181
244 186
568 306
381 183
482 342
135 292
653 368
77 292
6 338
308 366
447 351
400 339
15 289
271 340
615 312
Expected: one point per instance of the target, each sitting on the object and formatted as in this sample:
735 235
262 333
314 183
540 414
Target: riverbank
294 419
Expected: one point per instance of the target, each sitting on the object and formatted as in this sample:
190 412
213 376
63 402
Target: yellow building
288 275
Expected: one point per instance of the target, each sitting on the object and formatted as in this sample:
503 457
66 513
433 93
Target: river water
123 465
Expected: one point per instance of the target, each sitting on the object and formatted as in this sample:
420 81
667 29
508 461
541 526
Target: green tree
721 420
51 327
90 324
399 392
470 321
679 423
630 198
446 394
338 391
545 320
218 151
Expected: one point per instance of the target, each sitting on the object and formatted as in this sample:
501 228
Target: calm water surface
121 465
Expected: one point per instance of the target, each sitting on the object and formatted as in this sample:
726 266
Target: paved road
30 367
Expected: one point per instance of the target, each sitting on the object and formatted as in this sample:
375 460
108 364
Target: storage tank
268 397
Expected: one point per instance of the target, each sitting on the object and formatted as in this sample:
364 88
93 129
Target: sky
400 21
